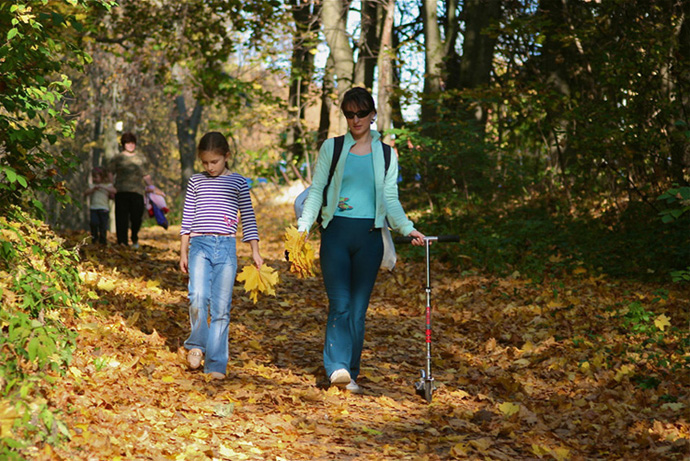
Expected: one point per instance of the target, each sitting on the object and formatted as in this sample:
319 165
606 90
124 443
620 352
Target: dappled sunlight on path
525 370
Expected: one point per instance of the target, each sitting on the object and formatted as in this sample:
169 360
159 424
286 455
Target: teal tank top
357 191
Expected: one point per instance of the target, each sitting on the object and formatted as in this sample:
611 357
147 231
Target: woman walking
359 199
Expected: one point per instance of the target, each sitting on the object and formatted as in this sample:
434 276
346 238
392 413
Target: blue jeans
212 270
351 252
99 226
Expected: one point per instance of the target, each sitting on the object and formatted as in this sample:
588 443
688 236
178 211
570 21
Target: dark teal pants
351 252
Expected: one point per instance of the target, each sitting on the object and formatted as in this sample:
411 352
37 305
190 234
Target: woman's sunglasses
360 114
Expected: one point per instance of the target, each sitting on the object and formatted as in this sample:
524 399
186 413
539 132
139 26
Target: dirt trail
509 358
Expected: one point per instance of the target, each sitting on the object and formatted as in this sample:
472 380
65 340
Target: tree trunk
305 16
680 148
327 93
334 20
477 51
369 43
433 53
187 127
385 65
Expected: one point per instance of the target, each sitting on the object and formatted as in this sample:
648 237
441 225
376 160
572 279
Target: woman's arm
314 201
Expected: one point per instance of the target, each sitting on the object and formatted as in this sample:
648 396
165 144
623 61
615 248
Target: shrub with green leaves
40 41
39 286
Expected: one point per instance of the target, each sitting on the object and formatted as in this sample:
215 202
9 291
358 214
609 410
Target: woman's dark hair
213 141
127 137
358 98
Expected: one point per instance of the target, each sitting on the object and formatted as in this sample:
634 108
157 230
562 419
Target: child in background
208 252
99 192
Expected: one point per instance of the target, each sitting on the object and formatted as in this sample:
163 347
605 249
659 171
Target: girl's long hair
215 142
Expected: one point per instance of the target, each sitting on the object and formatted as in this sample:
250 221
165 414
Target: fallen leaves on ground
525 369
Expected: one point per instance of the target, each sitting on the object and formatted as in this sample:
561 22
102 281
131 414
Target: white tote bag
389 256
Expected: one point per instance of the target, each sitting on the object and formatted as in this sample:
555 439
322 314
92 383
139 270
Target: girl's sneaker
194 357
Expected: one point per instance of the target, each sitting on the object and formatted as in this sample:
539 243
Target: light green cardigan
387 202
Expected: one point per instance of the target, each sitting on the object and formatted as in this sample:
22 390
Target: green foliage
39 283
588 105
445 159
678 200
42 40
539 240
638 319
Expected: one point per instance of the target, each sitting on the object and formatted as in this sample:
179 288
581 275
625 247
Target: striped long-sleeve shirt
212 205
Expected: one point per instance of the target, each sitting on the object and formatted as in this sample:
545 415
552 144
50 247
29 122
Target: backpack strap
338 142
386 157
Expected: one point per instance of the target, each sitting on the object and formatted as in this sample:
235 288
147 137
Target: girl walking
359 199
208 252
99 206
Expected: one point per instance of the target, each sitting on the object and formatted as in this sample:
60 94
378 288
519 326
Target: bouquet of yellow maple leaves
257 281
299 252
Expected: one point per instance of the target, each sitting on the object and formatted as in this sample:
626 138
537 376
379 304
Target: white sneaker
353 387
340 376
135 246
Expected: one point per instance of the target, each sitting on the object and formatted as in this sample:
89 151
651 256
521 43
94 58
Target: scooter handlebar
430 238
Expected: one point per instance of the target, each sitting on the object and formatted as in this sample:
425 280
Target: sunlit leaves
257 281
524 369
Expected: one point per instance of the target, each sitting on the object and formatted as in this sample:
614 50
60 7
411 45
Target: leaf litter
524 369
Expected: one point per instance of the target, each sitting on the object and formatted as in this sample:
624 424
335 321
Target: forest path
525 369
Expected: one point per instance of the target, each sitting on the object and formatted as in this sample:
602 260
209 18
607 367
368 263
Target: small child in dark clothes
99 192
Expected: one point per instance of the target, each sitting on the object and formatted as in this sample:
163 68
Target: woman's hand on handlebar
417 238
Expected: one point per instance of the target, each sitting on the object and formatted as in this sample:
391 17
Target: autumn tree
187 46
41 42
600 89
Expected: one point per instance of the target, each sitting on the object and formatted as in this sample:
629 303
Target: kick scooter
425 386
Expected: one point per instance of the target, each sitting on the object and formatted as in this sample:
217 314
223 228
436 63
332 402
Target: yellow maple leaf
299 252
106 285
508 408
8 415
258 281
662 322
561 454
623 371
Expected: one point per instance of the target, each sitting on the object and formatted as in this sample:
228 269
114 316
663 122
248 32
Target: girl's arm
110 189
184 253
256 255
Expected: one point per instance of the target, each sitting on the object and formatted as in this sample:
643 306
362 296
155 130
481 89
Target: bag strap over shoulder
386 157
338 142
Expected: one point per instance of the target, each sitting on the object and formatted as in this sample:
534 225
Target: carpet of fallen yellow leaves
525 370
